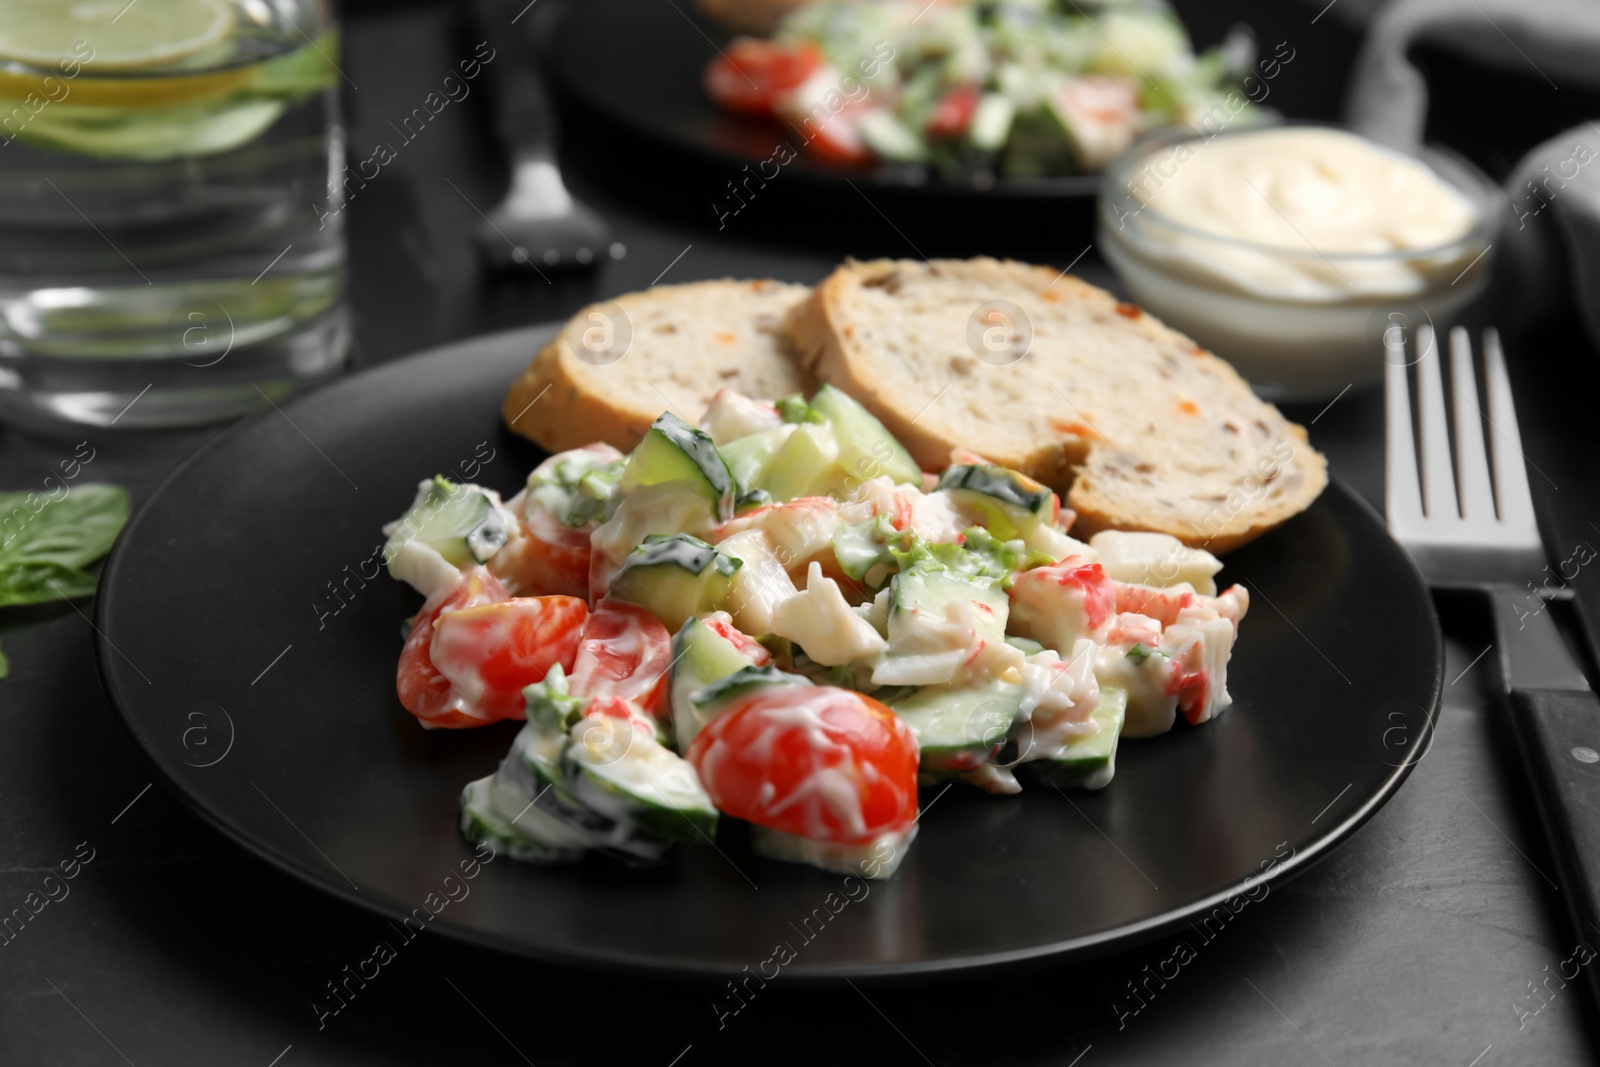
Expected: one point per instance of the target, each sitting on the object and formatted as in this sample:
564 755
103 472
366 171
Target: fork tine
1510 470
1438 484
1472 467
1402 496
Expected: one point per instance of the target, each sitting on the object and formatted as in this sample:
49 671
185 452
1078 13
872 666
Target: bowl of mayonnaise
1296 251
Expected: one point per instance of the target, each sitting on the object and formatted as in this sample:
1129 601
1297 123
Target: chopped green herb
45 544
1138 653
795 409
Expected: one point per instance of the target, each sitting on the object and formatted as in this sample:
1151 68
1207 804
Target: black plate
274 715
631 70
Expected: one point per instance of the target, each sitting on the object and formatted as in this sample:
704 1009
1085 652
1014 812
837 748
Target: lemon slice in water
124 34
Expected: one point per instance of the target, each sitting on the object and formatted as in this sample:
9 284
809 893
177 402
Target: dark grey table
1431 937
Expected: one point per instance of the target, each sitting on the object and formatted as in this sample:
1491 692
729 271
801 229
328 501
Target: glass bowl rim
1459 173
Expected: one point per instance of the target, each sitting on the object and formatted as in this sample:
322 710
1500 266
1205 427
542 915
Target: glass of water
167 252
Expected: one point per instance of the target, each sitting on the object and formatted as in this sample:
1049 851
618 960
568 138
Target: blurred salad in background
974 89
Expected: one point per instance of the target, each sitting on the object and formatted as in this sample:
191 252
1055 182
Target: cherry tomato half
953 114
625 652
545 558
816 761
491 651
422 689
751 75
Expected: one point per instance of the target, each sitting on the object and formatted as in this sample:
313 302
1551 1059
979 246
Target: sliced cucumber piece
748 456
700 656
751 499
674 451
991 122
1086 762
1010 504
866 449
1040 144
527 834
806 465
463 523
959 727
892 139
644 785
711 700
795 409
674 576
917 624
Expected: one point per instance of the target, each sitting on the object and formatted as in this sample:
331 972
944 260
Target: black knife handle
1559 732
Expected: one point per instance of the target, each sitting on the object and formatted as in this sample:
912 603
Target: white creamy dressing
1058 545
732 415
1151 709
760 585
1303 195
932 516
627 752
422 568
821 621
516 808
549 485
800 530
964 644
666 508
1059 605
1155 559
878 858
460 639
1184 635
1059 696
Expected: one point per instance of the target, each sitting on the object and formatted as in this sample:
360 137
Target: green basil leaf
39 583
70 532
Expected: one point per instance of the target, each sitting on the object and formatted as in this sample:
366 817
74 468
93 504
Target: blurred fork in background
1466 529
538 226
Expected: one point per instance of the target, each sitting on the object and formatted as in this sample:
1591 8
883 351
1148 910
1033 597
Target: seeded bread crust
1134 424
607 376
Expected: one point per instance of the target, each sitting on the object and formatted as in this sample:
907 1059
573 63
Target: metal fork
1459 539
538 224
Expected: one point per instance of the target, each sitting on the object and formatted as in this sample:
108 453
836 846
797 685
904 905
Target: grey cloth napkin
1549 243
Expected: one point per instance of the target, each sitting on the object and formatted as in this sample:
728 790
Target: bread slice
618 365
1137 426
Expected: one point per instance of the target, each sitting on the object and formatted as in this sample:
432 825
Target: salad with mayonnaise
975 88
777 617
